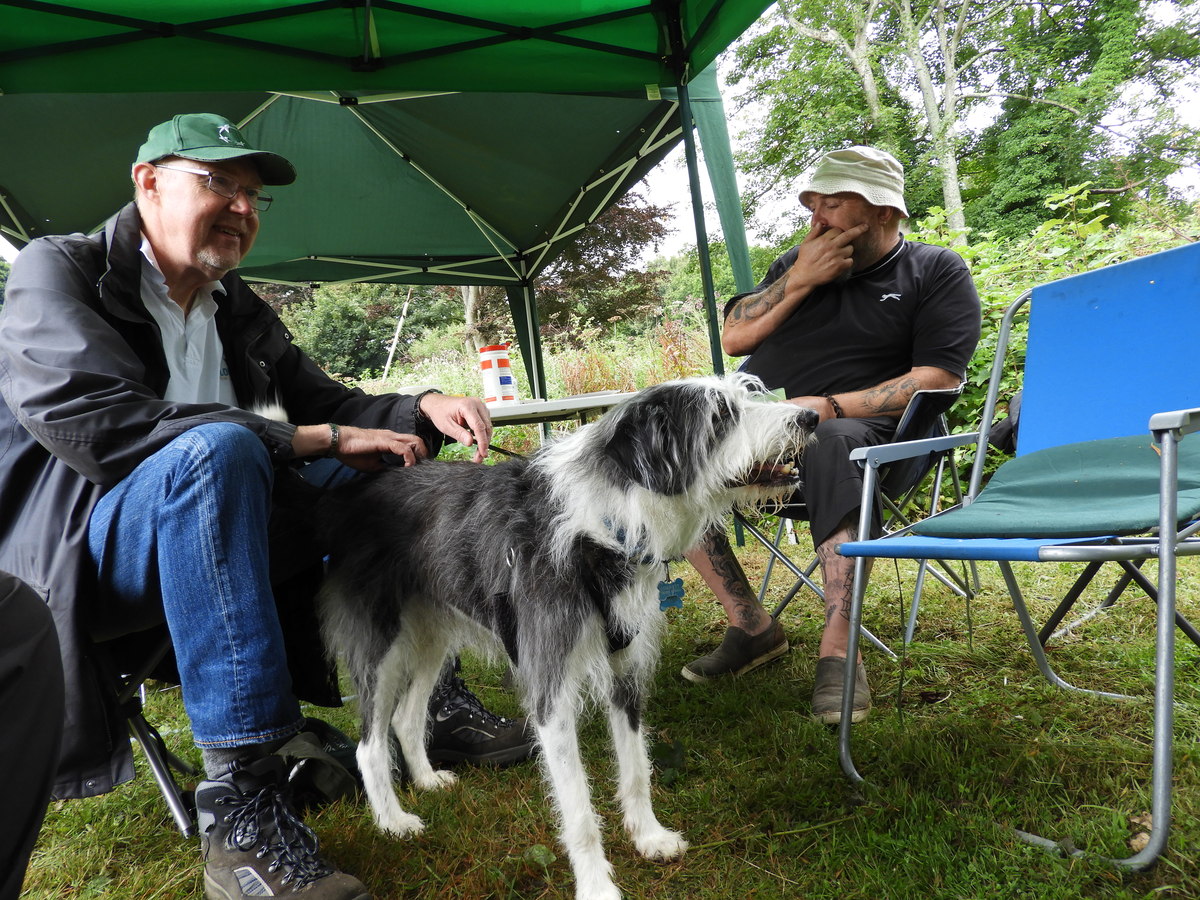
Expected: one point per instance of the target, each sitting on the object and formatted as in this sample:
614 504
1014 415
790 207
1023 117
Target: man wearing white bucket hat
850 323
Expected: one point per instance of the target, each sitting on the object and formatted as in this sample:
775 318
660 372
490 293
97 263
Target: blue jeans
187 529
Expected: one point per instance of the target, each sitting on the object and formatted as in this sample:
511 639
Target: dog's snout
807 418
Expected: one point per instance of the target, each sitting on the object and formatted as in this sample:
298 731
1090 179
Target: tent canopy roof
457 141
445 188
113 46
447 142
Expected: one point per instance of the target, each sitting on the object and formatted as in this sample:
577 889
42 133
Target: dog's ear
661 437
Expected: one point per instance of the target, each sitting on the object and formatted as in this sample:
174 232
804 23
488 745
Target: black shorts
832 489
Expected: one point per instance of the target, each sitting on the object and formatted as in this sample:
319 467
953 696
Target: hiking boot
738 653
827 691
254 844
461 729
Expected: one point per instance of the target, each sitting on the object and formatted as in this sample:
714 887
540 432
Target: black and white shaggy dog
554 561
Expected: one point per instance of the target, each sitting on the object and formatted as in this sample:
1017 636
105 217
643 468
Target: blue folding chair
1110 354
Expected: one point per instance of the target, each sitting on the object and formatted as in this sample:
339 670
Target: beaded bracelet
837 407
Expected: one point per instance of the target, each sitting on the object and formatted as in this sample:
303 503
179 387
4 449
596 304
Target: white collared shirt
195 356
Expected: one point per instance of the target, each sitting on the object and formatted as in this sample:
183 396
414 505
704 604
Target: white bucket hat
873 174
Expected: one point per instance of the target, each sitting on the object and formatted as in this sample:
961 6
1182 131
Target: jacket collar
120 284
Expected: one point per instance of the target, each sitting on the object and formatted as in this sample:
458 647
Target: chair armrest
1184 421
886 453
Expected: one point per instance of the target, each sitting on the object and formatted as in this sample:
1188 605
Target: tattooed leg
838 574
717 564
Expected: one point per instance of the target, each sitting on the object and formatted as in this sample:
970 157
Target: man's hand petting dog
374 449
462 419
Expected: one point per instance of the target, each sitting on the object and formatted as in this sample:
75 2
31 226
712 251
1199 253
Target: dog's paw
403 825
437 780
662 846
598 891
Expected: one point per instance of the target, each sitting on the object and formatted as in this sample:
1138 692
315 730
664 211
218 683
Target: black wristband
419 417
334 438
837 407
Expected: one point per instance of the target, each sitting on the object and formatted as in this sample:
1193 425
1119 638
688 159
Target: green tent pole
710 297
523 306
709 112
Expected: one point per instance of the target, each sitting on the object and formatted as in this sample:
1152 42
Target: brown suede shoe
827 691
254 844
738 654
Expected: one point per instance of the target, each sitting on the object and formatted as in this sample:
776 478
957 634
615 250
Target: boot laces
265 821
457 696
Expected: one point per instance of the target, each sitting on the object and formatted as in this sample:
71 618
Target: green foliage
334 329
3 277
596 280
348 328
1059 131
682 282
1037 97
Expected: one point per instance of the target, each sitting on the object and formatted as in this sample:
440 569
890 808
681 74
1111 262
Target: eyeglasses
224 186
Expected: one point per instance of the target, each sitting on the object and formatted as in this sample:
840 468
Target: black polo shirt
916 307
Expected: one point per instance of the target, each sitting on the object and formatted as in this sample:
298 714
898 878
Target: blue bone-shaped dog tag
670 593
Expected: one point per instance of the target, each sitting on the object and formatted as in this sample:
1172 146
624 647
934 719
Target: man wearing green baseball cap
850 323
140 482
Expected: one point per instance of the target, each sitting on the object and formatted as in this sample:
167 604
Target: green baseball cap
207 137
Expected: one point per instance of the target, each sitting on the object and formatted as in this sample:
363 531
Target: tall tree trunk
940 101
855 46
472 296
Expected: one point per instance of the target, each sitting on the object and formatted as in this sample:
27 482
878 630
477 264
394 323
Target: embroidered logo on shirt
889 297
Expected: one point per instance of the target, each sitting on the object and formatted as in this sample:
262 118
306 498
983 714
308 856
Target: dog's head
653 474
709 435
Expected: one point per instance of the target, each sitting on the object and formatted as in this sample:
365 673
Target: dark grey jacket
82 373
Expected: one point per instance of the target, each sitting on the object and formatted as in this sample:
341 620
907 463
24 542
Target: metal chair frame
129 692
1139 282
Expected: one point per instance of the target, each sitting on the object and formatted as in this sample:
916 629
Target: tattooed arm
824 255
886 399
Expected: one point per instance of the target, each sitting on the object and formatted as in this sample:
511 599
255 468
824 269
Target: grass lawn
966 743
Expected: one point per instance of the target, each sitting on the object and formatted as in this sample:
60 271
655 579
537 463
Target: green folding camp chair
1104 471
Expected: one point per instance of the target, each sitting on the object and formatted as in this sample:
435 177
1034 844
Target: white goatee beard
218 262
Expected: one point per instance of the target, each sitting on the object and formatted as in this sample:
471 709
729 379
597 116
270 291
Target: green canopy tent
464 144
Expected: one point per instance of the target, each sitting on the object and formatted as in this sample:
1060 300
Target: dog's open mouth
771 474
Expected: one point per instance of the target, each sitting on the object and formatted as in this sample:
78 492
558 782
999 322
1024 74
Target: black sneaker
461 729
254 844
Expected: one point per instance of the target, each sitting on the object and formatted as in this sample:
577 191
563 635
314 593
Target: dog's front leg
580 830
652 840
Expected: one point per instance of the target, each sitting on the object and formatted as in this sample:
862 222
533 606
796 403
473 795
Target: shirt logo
889 297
